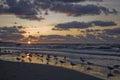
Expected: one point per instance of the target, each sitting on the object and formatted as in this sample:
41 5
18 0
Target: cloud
115 31
82 25
107 36
91 30
80 10
15 34
76 0
24 9
89 38
56 38
103 23
74 24
11 33
30 9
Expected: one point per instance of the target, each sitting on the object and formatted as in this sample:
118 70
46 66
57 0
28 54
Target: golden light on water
28 55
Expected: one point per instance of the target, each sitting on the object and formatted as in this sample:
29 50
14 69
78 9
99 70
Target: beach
94 63
28 71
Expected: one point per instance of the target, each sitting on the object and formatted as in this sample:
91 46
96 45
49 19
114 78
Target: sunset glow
82 36
29 42
60 21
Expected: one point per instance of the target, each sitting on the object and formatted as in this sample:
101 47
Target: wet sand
29 71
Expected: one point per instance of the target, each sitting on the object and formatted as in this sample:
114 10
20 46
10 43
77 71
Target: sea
99 54
93 49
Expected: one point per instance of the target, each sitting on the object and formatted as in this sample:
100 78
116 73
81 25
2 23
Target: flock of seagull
55 60
62 61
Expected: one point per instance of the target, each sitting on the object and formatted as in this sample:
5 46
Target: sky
60 21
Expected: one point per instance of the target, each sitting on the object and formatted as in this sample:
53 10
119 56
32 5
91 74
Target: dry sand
29 71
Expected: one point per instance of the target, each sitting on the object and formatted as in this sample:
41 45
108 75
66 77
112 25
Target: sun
29 42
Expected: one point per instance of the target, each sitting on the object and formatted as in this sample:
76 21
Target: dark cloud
74 24
15 34
92 30
57 38
81 25
11 33
89 38
69 38
79 10
24 9
32 37
95 0
103 23
107 36
76 0
69 0
115 31
30 9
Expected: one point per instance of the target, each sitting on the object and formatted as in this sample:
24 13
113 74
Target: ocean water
99 54
98 49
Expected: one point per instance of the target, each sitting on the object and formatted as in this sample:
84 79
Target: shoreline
43 59
29 71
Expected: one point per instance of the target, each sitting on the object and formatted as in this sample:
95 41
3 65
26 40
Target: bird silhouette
109 75
18 59
73 64
81 59
110 68
116 66
48 60
62 62
110 71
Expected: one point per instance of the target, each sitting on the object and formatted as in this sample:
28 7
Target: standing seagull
62 62
109 75
73 64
